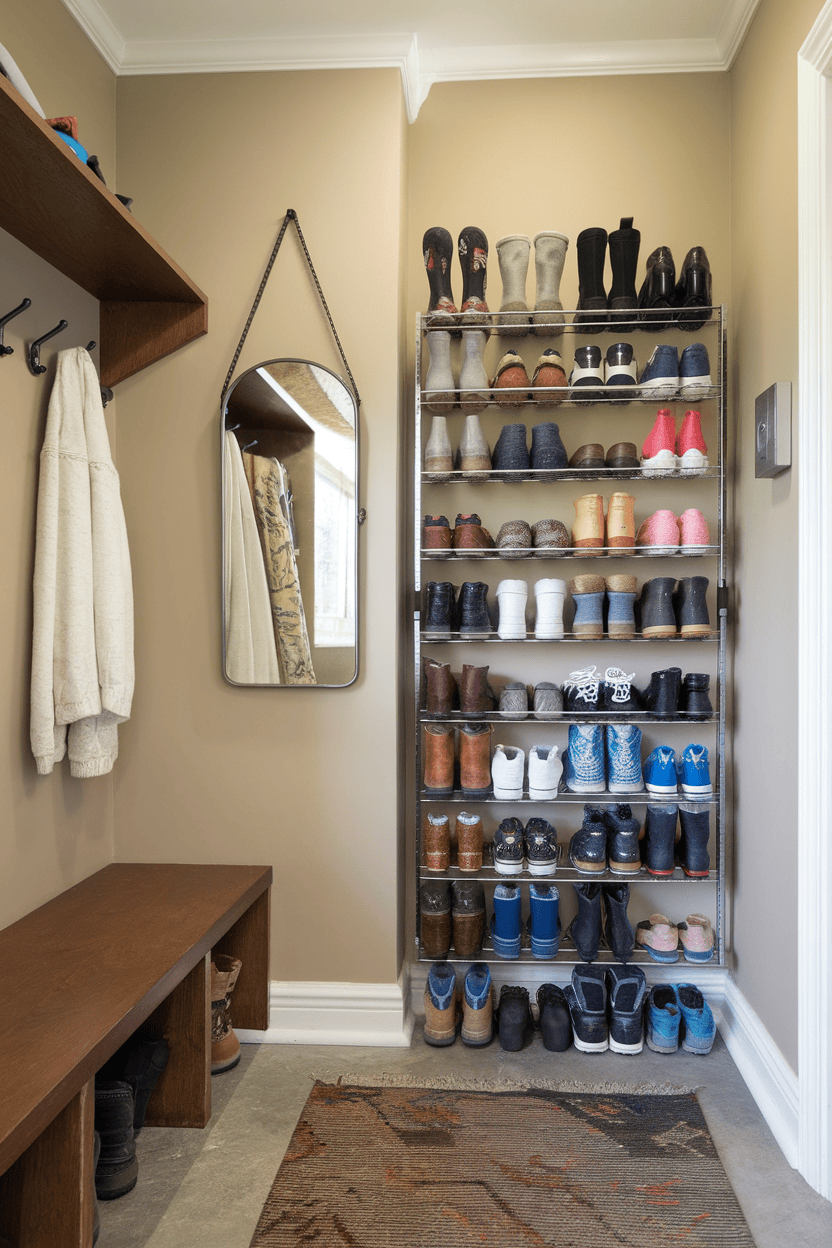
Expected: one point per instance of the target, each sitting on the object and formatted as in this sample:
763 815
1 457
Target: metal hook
34 349
247 445
231 428
106 395
27 303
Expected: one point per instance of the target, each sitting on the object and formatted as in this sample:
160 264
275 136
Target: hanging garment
271 494
250 650
82 639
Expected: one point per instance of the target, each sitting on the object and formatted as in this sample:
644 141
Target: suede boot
441 695
585 928
468 917
478 1007
621 596
621 529
440 608
623 298
440 392
438 250
441 1005
476 697
511 386
592 297
549 256
618 931
473 454
436 533
439 760
473 379
475 760
225 1047
473 608
435 919
439 455
468 841
513 257
436 838
472 246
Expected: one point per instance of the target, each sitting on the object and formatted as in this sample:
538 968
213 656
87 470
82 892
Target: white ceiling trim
419 67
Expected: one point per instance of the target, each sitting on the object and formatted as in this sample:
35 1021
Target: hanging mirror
289 527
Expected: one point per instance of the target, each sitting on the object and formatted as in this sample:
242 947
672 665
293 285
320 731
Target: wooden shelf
57 207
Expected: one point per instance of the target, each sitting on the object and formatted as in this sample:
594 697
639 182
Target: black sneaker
618 692
555 1023
582 691
507 847
627 993
515 1022
542 849
586 997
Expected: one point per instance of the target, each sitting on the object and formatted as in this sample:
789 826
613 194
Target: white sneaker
545 771
507 767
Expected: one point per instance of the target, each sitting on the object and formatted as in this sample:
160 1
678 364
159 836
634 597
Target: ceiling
427 40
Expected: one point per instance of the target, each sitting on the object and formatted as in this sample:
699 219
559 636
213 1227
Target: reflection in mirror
289 515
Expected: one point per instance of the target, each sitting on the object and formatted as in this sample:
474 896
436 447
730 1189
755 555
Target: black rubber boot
661 697
585 928
515 1022
473 258
592 297
660 838
440 607
438 250
623 298
693 700
555 1023
695 822
693 290
656 607
618 931
691 607
117 1169
657 296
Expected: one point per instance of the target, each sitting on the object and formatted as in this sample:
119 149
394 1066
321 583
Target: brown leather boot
469 834
468 916
476 697
435 921
475 759
441 696
436 837
225 1047
439 760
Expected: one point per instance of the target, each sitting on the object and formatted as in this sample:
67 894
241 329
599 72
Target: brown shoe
622 455
475 759
476 697
439 760
514 539
478 1006
225 1047
468 830
550 535
469 534
442 1012
589 456
511 385
441 694
436 838
468 917
435 920
436 533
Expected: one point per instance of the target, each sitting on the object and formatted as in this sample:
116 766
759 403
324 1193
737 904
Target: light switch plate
773 430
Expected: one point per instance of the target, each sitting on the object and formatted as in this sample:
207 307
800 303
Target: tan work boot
225 1047
588 527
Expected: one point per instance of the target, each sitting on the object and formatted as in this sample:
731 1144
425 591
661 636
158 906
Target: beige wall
306 780
765 347
55 830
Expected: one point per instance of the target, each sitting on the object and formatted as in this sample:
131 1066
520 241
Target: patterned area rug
393 1167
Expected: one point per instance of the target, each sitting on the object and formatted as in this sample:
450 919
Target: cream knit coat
82 642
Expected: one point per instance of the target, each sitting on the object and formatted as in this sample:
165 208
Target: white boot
549 255
545 771
473 454
440 391
513 256
472 375
438 454
511 599
549 597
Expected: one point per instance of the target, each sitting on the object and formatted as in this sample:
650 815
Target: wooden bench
127 950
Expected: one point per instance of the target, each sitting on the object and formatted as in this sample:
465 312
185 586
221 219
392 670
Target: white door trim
814 552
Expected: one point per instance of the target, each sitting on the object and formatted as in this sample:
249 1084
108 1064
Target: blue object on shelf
79 151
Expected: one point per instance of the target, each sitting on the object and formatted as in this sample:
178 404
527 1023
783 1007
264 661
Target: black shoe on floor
515 1022
117 1170
555 1023
139 1062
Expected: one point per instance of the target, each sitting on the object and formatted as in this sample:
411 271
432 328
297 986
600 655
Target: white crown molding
419 67
374 1015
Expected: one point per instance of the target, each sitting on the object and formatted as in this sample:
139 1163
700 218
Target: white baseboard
767 1074
336 1013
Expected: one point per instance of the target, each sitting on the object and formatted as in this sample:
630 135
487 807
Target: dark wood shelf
56 206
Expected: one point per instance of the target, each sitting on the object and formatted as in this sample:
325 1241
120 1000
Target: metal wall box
773 430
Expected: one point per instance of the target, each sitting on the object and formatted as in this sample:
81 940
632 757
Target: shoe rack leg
182 1097
47 1196
248 940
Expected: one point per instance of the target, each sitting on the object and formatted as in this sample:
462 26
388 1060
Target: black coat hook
34 349
21 307
106 395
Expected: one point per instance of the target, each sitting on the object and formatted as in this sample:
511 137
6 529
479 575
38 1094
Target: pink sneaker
693 530
659 532
690 445
658 453
697 938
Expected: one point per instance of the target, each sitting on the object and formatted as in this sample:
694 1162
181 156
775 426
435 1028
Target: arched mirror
290 526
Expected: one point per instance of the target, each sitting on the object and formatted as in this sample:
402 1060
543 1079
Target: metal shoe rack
498 496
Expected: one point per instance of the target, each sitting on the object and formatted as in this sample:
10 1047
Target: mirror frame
357 519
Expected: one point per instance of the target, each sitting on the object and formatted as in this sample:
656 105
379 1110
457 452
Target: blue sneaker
695 372
663 1018
583 763
698 1025
660 771
624 759
544 920
505 921
440 1005
694 772
478 1007
660 376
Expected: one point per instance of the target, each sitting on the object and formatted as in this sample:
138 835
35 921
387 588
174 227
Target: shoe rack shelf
536 493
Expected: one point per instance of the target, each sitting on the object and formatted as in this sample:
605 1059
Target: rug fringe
456 1084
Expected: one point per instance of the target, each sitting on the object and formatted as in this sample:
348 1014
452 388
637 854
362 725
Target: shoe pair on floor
610 1006
471 1012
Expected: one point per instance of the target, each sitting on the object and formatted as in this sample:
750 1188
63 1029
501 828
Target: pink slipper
694 533
659 533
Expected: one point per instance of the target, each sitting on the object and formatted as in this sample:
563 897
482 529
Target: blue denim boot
583 764
621 597
544 921
694 371
510 451
695 821
660 839
660 376
624 759
505 921
588 596
548 450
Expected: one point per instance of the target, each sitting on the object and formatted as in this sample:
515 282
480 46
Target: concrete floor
207 1188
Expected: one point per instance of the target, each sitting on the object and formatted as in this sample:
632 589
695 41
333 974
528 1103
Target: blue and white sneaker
505 921
695 372
583 763
624 759
660 771
660 376
698 1027
694 773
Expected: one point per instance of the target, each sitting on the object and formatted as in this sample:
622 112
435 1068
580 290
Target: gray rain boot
549 255
440 391
473 454
513 256
474 392
439 456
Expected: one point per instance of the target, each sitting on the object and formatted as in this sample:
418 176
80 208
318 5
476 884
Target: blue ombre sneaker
663 1018
698 1026
544 920
583 763
660 771
660 376
694 773
505 921
624 759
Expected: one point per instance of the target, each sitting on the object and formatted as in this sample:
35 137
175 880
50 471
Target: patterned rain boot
473 260
438 250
